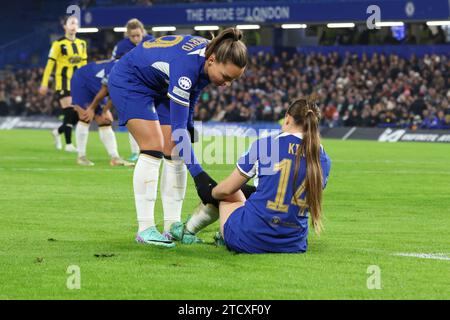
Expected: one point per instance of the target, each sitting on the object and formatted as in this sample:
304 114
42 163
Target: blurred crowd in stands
19 93
376 91
381 91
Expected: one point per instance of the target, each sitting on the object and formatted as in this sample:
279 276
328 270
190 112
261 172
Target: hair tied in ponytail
310 150
233 34
228 47
237 35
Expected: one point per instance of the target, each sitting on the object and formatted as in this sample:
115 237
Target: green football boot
153 237
179 233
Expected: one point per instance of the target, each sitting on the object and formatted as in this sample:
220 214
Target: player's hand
204 185
43 91
88 115
82 115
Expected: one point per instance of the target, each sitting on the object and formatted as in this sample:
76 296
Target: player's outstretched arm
101 94
108 106
179 115
89 114
229 186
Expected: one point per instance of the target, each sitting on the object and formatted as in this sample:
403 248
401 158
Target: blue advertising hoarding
267 13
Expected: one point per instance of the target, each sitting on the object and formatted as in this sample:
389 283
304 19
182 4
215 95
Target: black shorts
60 94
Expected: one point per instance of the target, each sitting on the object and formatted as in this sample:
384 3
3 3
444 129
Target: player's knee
152 145
76 108
158 154
148 137
168 150
104 124
65 102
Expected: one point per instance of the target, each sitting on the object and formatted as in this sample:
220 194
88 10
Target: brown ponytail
307 115
228 47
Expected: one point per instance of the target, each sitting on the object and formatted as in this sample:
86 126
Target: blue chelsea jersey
95 74
277 211
125 45
168 67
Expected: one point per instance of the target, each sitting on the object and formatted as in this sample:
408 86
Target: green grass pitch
382 199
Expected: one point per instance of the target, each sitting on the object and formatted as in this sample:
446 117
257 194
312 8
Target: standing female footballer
68 53
154 88
289 189
135 34
89 92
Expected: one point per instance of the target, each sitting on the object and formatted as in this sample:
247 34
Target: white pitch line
409 172
93 169
434 256
32 158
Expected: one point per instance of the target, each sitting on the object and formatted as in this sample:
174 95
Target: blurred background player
89 91
275 217
155 105
68 53
135 33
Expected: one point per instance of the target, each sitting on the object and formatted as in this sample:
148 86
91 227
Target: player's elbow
219 193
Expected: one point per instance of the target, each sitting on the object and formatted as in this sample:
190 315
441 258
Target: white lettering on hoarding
195 15
242 14
419 137
219 14
262 14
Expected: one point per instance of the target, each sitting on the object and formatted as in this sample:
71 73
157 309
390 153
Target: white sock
82 134
133 144
109 140
173 190
145 184
202 217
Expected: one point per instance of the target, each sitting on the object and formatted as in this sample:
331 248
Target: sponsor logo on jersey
75 60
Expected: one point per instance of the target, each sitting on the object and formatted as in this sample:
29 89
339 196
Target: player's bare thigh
147 134
227 207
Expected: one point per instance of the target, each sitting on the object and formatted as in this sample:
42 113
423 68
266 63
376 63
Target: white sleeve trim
249 175
181 93
183 103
